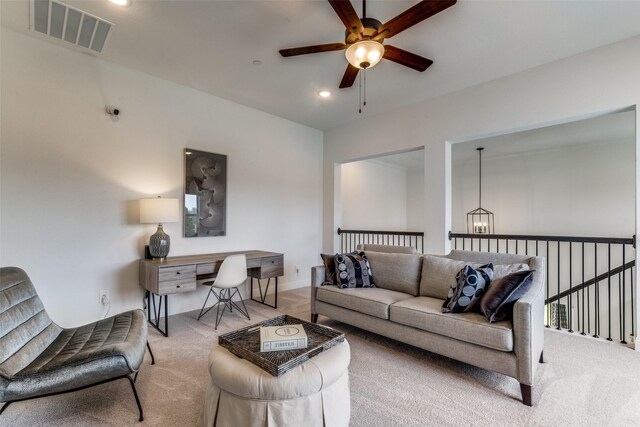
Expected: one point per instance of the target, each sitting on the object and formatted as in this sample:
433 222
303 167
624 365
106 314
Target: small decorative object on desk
245 343
286 337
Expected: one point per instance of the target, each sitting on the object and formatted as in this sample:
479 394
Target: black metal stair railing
589 280
350 239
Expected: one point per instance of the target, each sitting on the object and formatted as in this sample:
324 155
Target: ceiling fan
364 37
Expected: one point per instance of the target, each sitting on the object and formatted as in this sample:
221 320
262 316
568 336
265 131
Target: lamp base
159 244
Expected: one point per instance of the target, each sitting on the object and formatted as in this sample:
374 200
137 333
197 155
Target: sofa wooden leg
314 317
526 394
542 357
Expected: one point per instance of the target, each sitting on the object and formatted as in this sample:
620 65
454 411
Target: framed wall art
205 198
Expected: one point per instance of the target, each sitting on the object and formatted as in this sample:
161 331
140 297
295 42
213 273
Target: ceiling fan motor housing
370 25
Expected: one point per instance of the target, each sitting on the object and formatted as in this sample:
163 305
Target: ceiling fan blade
414 15
312 49
349 76
405 58
347 15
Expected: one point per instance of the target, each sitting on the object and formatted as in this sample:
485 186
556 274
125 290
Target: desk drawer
177 273
272 267
208 268
175 286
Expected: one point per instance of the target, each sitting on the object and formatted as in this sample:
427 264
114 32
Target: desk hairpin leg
157 309
263 296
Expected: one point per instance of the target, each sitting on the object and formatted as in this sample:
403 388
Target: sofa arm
317 278
528 324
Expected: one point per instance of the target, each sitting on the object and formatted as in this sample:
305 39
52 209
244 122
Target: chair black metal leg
205 304
223 299
245 312
153 360
135 394
4 407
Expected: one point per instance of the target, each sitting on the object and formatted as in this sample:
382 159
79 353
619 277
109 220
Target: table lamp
159 211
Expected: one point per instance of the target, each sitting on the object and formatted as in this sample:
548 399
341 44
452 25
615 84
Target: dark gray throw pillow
498 300
329 262
353 271
467 288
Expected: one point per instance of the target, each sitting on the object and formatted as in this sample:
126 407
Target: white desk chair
232 273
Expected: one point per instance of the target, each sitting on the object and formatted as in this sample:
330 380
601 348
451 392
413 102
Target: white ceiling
210 45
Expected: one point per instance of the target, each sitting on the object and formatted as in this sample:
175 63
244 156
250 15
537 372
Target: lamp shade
364 54
159 210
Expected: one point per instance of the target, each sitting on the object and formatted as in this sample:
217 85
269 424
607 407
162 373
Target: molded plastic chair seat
232 273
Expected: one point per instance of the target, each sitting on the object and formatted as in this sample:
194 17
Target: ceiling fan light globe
364 54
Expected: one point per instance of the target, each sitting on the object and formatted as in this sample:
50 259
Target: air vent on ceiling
69 24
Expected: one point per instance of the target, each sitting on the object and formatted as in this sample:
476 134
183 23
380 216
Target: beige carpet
584 382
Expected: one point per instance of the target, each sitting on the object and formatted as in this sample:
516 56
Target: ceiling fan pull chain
364 88
360 94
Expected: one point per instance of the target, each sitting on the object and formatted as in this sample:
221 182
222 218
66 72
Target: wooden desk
181 273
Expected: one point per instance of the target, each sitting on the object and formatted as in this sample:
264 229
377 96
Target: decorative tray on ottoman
245 343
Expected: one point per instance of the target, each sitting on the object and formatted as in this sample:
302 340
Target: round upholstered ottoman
315 393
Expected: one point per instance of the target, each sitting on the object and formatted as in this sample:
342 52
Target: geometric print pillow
467 288
353 271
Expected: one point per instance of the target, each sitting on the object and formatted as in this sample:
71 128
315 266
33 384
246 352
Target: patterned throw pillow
353 271
497 302
329 262
467 288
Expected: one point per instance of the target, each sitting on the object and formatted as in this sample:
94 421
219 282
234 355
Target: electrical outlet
104 298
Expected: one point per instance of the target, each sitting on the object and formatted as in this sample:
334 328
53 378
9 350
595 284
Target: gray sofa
406 305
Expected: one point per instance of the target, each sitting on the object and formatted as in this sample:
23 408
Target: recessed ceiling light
324 94
121 2
257 62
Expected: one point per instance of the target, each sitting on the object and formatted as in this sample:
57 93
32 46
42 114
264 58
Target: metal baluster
584 308
609 289
548 325
558 300
517 245
623 333
507 245
463 243
596 296
472 243
633 313
620 305
570 296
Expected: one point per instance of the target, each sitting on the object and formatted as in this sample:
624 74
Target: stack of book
285 337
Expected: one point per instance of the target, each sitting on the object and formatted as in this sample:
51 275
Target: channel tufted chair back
26 330
39 358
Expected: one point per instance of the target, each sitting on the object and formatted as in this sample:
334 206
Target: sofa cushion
371 301
396 272
467 288
502 270
437 274
425 313
353 271
387 248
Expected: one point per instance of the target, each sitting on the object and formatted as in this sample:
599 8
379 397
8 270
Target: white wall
415 199
71 177
577 190
374 196
602 80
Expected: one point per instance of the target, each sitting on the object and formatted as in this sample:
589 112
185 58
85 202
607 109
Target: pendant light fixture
479 220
